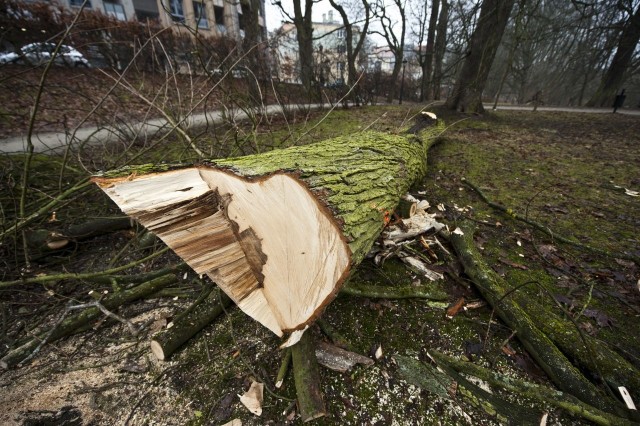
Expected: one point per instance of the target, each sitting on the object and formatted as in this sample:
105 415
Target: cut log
279 232
167 341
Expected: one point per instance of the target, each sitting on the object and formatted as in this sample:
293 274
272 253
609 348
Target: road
54 141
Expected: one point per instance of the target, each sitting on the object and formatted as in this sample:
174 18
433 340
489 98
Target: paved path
624 111
53 141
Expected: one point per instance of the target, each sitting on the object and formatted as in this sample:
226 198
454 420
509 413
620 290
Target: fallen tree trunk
529 329
279 232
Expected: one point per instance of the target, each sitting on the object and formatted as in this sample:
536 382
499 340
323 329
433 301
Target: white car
41 53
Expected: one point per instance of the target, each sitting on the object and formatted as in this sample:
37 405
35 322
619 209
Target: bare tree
395 43
425 52
353 51
440 48
615 74
304 36
467 93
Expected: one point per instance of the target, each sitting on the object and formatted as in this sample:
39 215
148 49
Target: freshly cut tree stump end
156 349
268 242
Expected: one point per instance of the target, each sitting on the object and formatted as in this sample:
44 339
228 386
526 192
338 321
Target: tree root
536 392
71 324
546 230
530 330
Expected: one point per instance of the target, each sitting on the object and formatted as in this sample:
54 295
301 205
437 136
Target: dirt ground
575 173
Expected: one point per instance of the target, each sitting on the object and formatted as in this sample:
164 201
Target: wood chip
455 308
337 359
252 399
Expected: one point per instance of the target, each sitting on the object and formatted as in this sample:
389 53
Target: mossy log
280 231
528 328
167 341
70 325
306 376
533 391
46 240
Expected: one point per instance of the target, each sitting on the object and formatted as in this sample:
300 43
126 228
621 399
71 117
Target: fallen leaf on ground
252 399
455 308
508 350
514 264
602 319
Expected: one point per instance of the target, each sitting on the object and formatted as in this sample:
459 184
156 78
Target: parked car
41 53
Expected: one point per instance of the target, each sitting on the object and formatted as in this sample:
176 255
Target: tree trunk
427 68
304 34
614 77
467 92
440 48
279 232
353 51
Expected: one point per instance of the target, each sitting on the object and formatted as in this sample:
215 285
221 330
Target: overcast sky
275 18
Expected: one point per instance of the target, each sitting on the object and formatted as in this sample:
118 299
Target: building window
340 67
341 33
116 10
78 3
176 10
200 13
219 17
341 48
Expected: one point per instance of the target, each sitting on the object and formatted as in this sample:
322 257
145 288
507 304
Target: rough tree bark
440 48
279 232
353 51
467 92
427 65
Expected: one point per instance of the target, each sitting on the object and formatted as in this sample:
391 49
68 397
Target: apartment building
209 17
329 51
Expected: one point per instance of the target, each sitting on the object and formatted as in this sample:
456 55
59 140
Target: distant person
619 101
